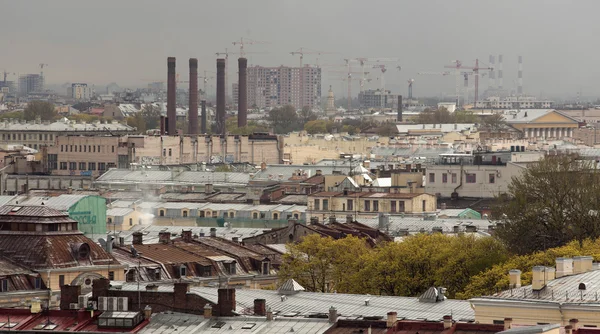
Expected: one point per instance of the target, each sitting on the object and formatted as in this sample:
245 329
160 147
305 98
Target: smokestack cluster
203 117
520 76
242 100
500 83
492 77
221 96
400 108
193 94
171 120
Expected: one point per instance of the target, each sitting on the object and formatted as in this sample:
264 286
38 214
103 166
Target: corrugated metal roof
62 202
66 127
172 177
290 286
118 212
37 211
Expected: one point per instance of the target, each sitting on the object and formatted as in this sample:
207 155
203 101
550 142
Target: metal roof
64 126
531 329
61 202
291 286
284 172
118 212
172 177
405 128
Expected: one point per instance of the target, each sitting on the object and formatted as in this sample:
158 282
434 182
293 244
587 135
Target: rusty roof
30 211
9 268
365 194
169 254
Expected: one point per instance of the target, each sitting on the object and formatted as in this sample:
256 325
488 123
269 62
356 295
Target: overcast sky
127 42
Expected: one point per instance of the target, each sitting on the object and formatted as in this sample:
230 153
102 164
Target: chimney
147 312
349 219
163 124
578 265
492 75
538 280
213 232
203 117
226 302
564 266
391 319
242 91
186 235
137 238
574 323
171 97
399 119
151 287
332 315
263 165
269 314
447 321
443 206
384 221
221 96
514 276
260 307
193 95
164 237
318 172
520 76
208 188
550 273
314 220
507 323
207 311
500 84
69 294
568 329
235 239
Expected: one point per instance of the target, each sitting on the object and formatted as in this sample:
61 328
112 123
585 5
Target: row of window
85 148
469 178
86 165
369 205
25 136
5 287
214 214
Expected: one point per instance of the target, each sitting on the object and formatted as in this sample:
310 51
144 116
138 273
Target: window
72 165
424 206
164 152
19 136
84 148
182 271
254 215
61 280
38 283
317 201
325 204
444 177
375 206
230 267
94 148
454 178
92 166
367 205
61 148
109 220
98 148
80 150
63 165
265 268
401 206
350 205
130 221
113 149
170 151
70 148
492 178
111 275
393 206
45 136
82 166
471 177
161 213
157 274
431 177
89 148
101 166
4 285
185 213
275 216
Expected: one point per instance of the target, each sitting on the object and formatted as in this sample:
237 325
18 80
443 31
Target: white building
80 91
514 102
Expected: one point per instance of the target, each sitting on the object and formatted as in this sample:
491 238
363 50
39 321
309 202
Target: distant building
29 83
330 108
513 102
376 98
270 87
80 91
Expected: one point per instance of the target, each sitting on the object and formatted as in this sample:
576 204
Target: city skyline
128 42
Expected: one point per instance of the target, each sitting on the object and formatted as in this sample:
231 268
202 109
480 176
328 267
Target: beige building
327 203
556 295
122 219
541 123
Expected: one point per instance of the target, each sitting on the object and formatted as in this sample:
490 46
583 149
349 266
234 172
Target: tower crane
226 54
42 65
246 41
457 66
382 81
410 88
363 62
305 51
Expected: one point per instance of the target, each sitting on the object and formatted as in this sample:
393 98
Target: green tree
138 122
435 116
12 115
465 116
42 109
151 115
351 129
84 118
550 203
494 122
284 119
387 130
318 126
306 115
250 128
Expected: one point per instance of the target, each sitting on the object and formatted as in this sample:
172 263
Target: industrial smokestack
500 83
242 100
163 125
492 77
221 96
171 91
520 76
400 108
193 102
203 117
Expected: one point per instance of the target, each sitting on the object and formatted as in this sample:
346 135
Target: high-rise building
278 86
29 83
80 91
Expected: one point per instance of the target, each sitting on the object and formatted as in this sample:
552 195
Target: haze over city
127 42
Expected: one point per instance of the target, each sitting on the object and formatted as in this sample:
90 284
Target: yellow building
541 123
327 203
556 295
122 219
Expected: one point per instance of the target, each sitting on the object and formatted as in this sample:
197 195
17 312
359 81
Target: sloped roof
290 286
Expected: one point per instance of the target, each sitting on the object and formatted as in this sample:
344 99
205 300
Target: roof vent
433 295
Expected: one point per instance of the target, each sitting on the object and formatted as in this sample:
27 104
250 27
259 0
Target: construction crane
246 41
226 54
305 51
363 62
458 66
410 88
382 82
205 78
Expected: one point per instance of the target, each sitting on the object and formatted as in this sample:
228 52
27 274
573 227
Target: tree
318 126
552 202
84 118
284 119
435 116
250 128
151 115
306 115
495 122
387 130
137 121
351 129
12 115
42 109
465 116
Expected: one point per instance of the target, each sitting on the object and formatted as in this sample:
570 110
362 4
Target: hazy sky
128 41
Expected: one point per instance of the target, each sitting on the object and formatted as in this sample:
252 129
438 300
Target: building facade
514 102
29 83
270 87
80 91
376 98
541 123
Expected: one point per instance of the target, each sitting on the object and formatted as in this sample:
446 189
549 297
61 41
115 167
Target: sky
127 42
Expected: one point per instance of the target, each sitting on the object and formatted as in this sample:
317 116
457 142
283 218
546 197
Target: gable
554 117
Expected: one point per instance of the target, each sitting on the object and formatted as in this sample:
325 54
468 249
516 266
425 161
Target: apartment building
277 86
366 204
513 102
80 91
36 134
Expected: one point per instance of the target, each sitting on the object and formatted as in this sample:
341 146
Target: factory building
270 87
